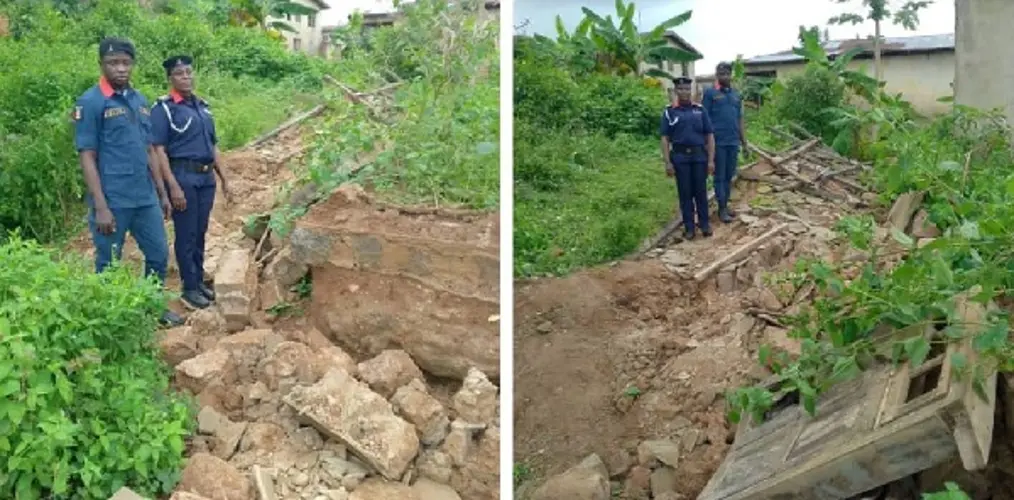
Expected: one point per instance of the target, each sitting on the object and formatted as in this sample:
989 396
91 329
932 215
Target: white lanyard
173 125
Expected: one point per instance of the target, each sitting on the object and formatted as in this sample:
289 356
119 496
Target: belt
687 150
191 166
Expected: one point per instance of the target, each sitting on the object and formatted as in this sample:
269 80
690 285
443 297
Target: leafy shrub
86 406
252 81
806 97
438 143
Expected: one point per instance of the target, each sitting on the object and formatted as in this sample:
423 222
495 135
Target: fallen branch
739 253
358 98
317 110
771 317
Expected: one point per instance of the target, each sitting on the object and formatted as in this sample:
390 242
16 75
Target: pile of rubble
289 419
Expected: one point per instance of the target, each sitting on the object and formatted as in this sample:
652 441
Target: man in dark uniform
112 133
688 150
183 132
725 108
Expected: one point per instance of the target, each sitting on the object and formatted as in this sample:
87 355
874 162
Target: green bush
437 142
806 97
86 406
589 183
252 81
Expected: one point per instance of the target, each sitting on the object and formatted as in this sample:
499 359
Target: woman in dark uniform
183 133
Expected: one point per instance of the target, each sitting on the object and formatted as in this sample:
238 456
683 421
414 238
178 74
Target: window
297 44
288 17
299 18
311 20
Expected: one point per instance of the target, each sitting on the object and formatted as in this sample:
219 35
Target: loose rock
214 478
422 410
391 369
586 481
476 402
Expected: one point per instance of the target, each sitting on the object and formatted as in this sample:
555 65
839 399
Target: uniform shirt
117 126
686 125
725 107
185 127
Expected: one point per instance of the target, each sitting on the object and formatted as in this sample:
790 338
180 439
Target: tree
258 13
623 48
878 11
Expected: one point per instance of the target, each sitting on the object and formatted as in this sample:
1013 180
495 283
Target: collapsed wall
425 281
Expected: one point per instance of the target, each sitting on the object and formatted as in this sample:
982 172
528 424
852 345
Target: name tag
719 97
145 111
114 112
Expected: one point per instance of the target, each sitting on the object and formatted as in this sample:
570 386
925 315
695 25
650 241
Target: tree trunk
878 64
877 59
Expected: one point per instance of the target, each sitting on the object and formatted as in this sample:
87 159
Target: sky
721 29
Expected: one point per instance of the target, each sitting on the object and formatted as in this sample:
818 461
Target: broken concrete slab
415 403
389 370
346 409
231 276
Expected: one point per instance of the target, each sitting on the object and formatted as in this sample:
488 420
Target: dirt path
610 357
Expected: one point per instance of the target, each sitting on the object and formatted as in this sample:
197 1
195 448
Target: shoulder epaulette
163 98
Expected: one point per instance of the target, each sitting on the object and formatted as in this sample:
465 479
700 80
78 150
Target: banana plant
812 49
623 49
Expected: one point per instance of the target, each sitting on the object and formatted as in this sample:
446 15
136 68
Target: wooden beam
739 253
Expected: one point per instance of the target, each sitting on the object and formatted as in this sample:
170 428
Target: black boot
171 319
194 299
207 292
688 234
706 231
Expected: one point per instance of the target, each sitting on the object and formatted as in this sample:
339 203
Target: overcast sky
721 29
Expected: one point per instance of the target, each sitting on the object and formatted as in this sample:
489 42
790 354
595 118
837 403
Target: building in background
921 68
309 32
676 69
491 10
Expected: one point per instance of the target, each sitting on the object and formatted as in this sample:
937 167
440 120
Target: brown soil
583 341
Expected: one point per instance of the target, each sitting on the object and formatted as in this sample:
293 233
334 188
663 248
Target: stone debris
388 371
588 480
343 408
213 477
290 412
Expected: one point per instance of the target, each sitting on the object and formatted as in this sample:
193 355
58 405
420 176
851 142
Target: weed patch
86 402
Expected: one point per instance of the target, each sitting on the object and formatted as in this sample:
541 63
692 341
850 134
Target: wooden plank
739 253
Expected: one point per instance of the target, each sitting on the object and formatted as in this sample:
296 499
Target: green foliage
622 49
953 492
589 183
251 81
963 162
583 199
906 15
438 143
807 96
86 406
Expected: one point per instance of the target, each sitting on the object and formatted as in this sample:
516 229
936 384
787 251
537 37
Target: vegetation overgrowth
589 184
436 141
50 58
86 406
